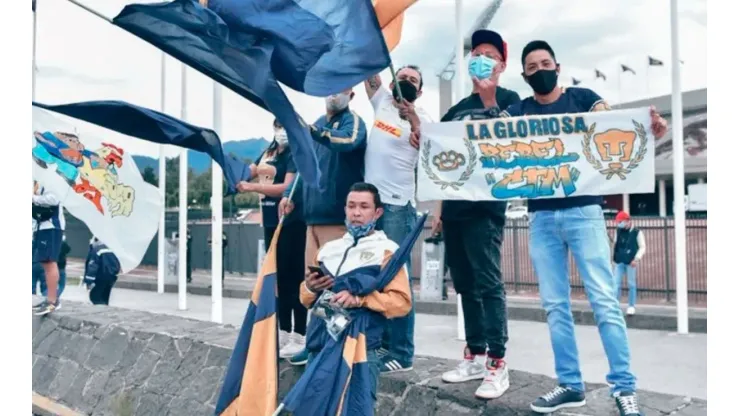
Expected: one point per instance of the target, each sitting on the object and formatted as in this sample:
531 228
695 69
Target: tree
149 176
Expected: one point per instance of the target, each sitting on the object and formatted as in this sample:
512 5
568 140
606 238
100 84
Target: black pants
100 293
291 250
473 254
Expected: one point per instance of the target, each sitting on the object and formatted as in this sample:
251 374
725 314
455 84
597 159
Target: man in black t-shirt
473 232
576 224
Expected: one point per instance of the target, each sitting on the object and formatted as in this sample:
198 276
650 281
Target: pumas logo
366 255
619 151
392 130
448 161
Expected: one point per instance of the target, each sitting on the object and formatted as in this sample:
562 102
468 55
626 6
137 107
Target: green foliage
199 188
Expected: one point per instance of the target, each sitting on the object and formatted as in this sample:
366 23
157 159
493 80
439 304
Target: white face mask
337 102
281 137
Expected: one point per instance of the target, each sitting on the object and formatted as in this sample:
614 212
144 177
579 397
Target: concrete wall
110 361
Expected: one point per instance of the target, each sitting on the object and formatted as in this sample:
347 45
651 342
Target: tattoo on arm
372 85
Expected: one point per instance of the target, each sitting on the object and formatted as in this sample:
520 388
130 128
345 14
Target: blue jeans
39 278
619 271
398 337
583 231
373 363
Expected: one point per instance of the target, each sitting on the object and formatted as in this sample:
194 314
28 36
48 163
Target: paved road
663 361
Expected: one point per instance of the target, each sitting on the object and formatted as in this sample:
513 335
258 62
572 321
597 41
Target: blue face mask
481 66
622 224
359 231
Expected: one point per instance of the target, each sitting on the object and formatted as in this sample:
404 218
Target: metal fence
655 276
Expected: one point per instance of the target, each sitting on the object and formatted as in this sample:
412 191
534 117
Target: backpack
43 213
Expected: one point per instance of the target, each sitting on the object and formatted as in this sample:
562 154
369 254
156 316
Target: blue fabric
319 47
156 127
397 222
573 100
342 164
320 389
583 231
619 271
47 245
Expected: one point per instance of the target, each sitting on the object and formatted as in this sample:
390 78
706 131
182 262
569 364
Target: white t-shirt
389 158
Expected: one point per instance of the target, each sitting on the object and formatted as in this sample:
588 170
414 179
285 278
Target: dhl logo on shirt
388 128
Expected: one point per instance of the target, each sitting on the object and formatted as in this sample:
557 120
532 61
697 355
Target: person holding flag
275 170
361 253
390 163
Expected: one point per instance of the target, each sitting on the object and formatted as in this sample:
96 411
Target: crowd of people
366 199
365 206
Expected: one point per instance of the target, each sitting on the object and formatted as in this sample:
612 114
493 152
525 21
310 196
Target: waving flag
156 127
600 74
316 47
98 182
250 384
625 68
337 382
654 62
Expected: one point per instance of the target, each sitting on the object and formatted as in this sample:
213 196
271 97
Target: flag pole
89 10
460 88
182 294
679 214
33 57
217 216
395 81
619 84
647 79
161 252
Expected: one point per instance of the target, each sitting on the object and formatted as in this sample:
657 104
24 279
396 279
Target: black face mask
408 91
543 81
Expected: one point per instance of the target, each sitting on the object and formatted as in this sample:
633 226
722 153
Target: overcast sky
80 57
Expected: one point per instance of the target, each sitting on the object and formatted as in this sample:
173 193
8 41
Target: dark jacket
340 148
101 264
626 246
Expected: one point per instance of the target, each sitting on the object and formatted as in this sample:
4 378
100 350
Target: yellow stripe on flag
390 17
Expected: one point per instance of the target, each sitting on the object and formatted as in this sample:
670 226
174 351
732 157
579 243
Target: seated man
360 248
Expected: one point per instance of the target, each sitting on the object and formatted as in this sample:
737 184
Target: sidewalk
525 308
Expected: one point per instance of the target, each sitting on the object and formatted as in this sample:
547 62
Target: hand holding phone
317 280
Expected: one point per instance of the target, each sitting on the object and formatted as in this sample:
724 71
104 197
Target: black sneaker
389 365
627 403
558 398
46 307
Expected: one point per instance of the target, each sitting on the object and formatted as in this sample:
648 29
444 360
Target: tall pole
682 306
182 290
161 257
33 57
217 216
460 51
459 93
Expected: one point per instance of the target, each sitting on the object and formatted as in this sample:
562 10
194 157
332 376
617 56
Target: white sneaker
473 367
283 338
496 381
631 310
296 344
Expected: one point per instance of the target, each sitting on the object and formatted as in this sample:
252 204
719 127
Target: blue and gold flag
250 384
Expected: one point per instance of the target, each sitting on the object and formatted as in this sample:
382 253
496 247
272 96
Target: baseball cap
622 216
482 36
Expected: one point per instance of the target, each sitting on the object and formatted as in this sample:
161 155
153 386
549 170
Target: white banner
98 182
546 156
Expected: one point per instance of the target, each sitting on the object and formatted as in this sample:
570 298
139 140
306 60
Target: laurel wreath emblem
472 163
620 172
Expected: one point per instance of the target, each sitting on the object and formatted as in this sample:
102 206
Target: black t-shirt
283 163
472 108
573 100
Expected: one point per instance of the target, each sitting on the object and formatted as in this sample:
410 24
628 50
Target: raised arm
372 85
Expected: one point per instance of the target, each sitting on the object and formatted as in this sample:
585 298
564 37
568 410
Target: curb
650 318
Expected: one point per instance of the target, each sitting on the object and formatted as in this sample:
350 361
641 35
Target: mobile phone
316 269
